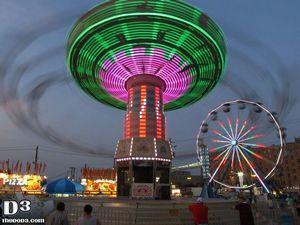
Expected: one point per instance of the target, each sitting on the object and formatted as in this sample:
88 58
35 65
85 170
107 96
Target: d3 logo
10 207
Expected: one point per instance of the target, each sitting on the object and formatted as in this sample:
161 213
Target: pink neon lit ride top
115 74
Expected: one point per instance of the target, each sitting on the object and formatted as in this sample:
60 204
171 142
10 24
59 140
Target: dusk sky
39 105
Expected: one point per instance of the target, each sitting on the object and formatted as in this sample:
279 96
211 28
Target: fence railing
152 213
131 212
265 215
107 215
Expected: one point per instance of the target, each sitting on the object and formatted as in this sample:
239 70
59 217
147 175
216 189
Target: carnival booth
64 187
99 181
14 179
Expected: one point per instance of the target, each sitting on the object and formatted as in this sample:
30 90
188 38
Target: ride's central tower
145 116
143 157
146 57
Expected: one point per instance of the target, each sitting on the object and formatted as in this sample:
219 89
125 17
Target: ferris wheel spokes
221 124
243 127
230 126
251 152
247 132
254 145
219 141
221 135
256 136
222 153
223 160
253 170
236 127
232 157
240 162
218 148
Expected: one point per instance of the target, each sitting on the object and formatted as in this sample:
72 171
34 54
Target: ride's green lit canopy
167 38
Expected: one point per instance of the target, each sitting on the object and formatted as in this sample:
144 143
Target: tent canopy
64 186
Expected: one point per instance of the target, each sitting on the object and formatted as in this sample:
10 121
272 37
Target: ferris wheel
245 144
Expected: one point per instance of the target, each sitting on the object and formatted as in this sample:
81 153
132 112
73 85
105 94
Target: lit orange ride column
145 117
144 156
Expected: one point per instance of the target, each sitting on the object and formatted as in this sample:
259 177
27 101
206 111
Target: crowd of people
59 216
200 212
288 210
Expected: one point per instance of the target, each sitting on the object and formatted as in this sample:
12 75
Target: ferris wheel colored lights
238 147
170 39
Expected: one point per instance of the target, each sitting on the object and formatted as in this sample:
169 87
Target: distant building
287 176
290 168
185 181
